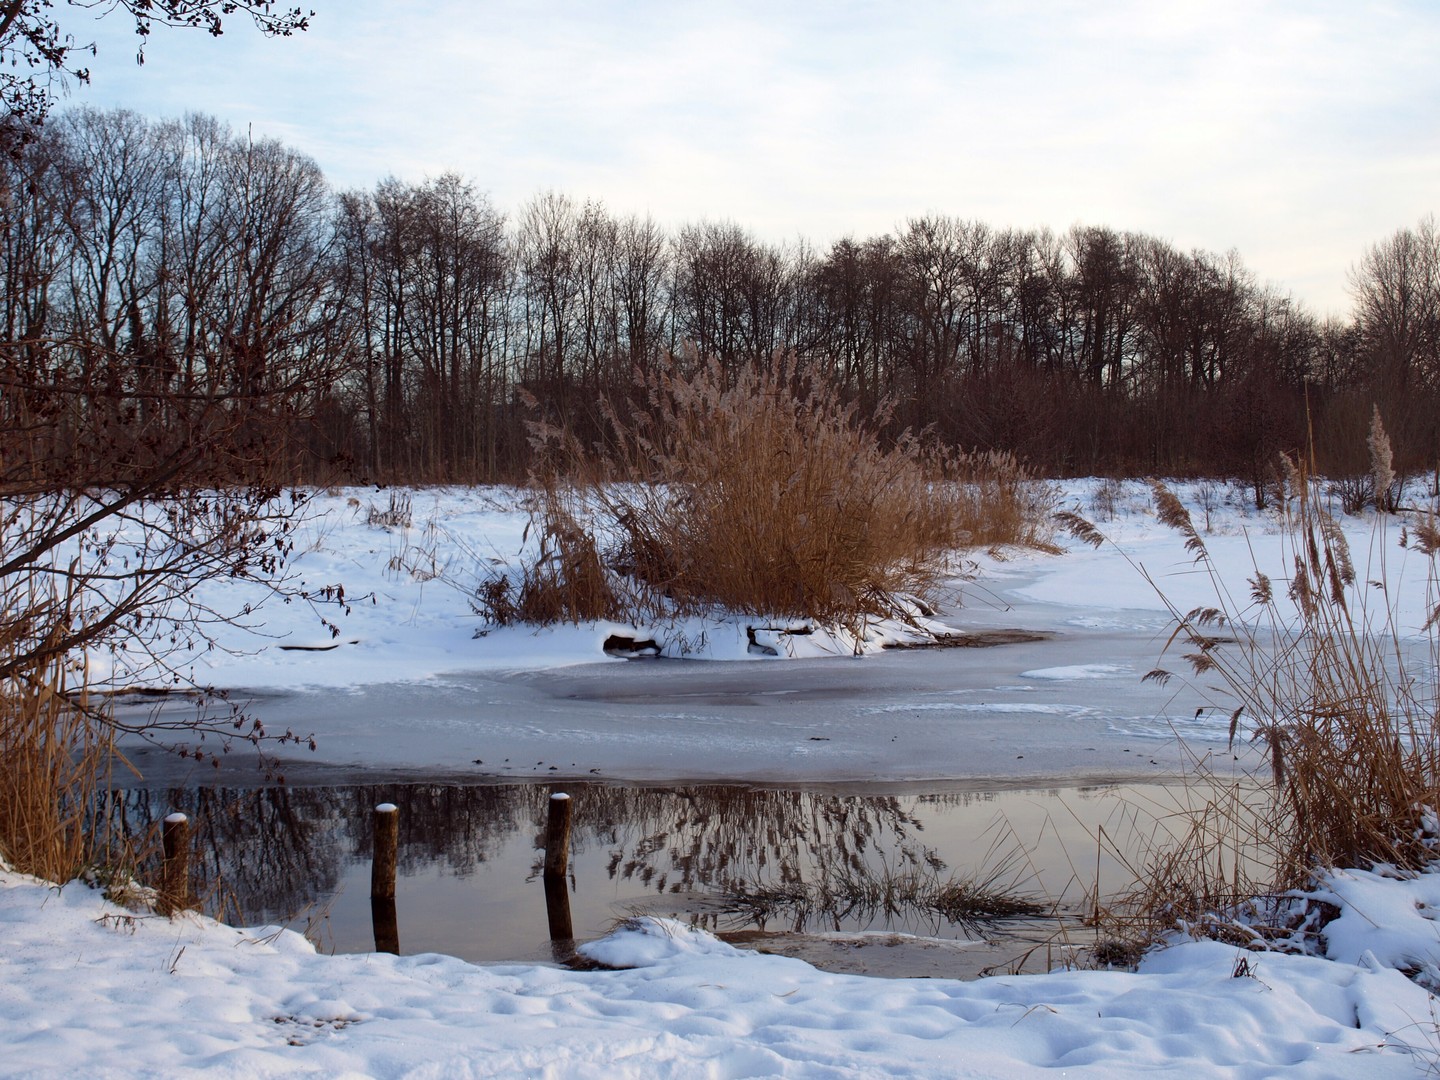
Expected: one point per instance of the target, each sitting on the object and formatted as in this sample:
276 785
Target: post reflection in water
722 857
386 921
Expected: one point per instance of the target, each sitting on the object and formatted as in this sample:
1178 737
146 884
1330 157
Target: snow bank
90 989
411 589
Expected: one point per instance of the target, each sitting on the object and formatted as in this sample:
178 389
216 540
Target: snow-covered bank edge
87 988
411 610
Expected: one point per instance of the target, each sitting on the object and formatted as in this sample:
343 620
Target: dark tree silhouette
37 56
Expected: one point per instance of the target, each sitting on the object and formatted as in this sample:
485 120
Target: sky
1298 132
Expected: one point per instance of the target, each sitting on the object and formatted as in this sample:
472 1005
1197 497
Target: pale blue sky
1297 131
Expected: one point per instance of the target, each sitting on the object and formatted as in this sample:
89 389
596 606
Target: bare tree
547 261
1104 281
642 271
38 57
732 294
1397 298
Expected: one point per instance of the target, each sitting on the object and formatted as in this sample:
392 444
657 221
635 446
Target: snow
88 988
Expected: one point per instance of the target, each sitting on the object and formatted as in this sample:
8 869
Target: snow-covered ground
89 989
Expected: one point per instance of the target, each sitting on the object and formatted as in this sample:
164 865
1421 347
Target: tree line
178 291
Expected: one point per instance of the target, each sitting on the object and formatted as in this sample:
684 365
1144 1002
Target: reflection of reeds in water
717 838
862 896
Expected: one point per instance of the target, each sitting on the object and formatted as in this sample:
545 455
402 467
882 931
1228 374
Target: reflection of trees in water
715 837
268 853
251 850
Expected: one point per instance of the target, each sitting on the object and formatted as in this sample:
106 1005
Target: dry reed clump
1343 698
761 492
48 747
1197 860
566 582
56 746
54 755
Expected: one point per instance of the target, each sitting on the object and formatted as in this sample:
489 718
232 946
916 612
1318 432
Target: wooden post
387 843
383 916
557 836
175 877
557 861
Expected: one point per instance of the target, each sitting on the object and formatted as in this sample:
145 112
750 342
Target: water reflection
470 857
267 853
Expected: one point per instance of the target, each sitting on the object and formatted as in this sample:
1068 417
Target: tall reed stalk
1342 696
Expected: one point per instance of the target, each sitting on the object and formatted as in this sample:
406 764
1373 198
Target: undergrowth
757 492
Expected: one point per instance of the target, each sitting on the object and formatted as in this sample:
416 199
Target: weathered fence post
557 836
175 877
387 843
557 861
382 878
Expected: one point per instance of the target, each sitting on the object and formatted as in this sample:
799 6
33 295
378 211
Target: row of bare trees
170 284
167 294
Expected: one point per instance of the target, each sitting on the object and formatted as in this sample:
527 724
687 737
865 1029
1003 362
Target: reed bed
757 492
55 756
1342 698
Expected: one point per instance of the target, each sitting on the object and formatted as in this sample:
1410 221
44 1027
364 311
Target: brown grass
761 492
54 756
1319 672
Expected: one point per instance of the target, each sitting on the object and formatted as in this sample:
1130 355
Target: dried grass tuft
762 492
1346 704
54 758
565 582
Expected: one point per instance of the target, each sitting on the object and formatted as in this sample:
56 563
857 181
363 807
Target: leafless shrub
107 577
1210 494
1105 500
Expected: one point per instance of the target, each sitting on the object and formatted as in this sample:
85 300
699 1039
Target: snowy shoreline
87 988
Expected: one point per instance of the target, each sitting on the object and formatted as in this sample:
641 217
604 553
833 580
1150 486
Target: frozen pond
414 684
1071 706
